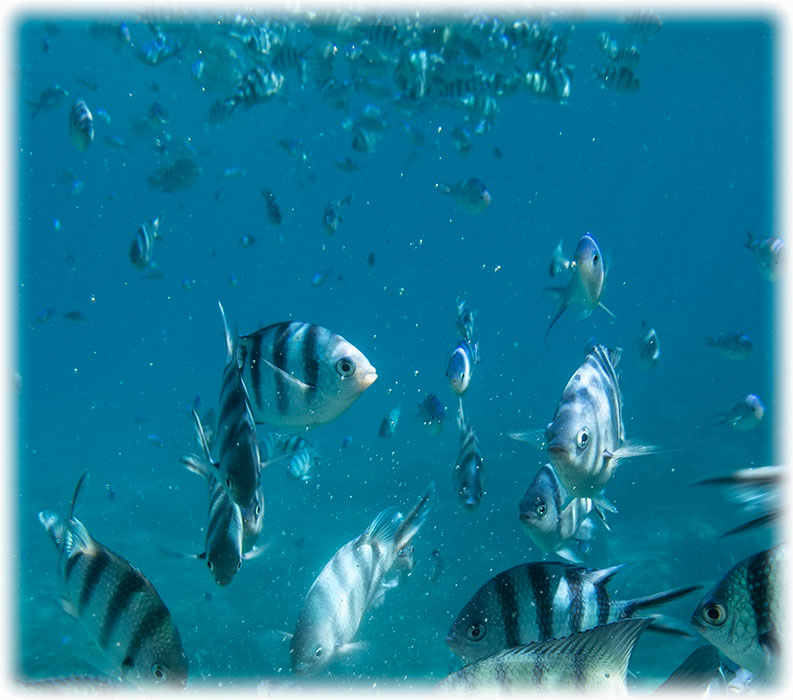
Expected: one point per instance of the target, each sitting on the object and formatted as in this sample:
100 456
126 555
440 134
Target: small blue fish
735 346
432 414
81 125
470 195
390 422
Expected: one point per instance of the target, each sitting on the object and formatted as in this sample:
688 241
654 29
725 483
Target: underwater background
667 178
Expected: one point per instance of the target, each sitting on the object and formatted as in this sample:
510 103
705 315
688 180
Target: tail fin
416 518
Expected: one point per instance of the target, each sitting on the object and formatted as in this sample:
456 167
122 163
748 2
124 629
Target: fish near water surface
351 583
301 375
540 601
742 614
116 603
593 661
587 283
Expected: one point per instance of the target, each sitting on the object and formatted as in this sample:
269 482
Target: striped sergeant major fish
237 462
81 125
352 582
593 661
565 530
466 320
300 374
116 603
467 472
587 283
586 438
461 366
741 614
539 601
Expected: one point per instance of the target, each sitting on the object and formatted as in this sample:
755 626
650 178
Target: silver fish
565 530
470 195
301 375
466 320
587 283
467 473
539 601
116 603
237 463
301 456
593 661
733 345
649 348
140 252
352 582
586 438
460 366
769 252
81 125
742 614
389 423
330 216
744 414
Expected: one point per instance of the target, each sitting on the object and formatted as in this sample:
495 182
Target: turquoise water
667 179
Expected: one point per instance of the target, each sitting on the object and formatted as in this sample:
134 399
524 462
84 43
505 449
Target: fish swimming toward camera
649 347
539 601
586 285
742 614
432 414
593 661
354 581
81 125
733 345
565 530
301 375
470 194
116 603
461 366
769 252
331 217
389 424
140 252
744 414
467 473
586 438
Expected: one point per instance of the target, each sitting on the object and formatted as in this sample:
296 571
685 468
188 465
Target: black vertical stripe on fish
130 584
147 628
509 610
98 564
579 671
538 670
542 596
68 567
603 604
310 361
757 585
576 602
280 345
256 368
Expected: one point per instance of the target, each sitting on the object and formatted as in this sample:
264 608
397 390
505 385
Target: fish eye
345 367
228 482
714 614
159 672
595 259
476 632
541 509
582 438
239 564
210 565
318 652
258 510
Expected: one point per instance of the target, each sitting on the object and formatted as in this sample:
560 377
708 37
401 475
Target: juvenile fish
353 582
301 375
565 530
331 217
649 348
389 423
735 346
539 601
116 603
470 195
140 252
586 285
81 125
744 414
432 413
593 661
467 472
769 252
741 614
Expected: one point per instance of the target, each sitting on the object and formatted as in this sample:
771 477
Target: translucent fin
606 310
385 525
229 339
569 554
202 438
535 438
288 377
603 576
82 484
197 465
696 673
416 518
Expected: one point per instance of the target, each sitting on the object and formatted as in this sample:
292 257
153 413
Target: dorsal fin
82 484
229 340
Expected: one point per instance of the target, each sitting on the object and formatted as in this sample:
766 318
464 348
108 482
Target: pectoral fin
288 377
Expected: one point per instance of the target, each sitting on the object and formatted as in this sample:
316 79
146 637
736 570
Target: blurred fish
565 530
273 210
346 441
466 319
365 140
181 174
233 171
346 164
353 582
467 474
735 346
45 315
437 565
649 349
593 661
117 143
461 138
301 457
559 263
618 78
700 673
294 147
539 601
247 240
389 424
623 55
116 603
320 276
72 185
140 252
49 98
742 613
461 366
644 24
769 252
744 414
432 414
104 116
300 374
75 316
330 216
587 283
758 490
370 259
470 195
159 49
81 125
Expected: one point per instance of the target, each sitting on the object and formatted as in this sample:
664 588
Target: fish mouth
369 378
558 450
